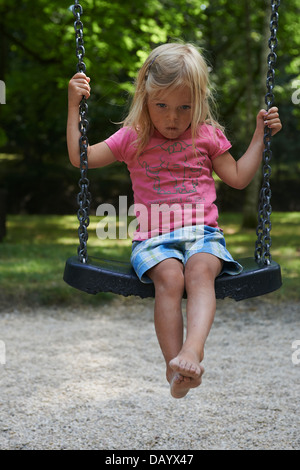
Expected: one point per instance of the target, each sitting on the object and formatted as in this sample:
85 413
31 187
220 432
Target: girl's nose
173 115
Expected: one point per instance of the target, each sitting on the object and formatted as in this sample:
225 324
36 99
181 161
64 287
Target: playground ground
93 378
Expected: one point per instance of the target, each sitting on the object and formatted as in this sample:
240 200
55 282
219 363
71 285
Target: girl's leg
169 286
200 273
168 279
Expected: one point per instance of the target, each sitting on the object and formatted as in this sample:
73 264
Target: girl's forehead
173 94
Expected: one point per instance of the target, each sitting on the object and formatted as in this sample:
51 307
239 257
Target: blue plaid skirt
182 244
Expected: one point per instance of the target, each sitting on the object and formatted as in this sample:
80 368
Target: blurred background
38 186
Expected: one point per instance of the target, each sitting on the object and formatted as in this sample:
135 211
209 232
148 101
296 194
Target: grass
33 254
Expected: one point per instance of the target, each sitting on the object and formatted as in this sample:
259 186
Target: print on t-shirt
173 174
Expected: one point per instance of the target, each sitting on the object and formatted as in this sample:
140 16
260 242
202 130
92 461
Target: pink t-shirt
171 180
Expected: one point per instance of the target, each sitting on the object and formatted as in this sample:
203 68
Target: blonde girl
171 144
163 71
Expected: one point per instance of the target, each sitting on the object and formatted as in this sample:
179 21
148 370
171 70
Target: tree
253 190
37 52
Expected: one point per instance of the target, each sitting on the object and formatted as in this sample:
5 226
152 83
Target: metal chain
84 196
264 242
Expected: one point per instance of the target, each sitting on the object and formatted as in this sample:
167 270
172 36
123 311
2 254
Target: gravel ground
95 379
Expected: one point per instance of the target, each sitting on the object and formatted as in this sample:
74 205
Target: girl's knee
202 271
199 271
174 281
168 278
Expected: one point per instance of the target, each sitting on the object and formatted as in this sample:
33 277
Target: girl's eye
185 107
160 105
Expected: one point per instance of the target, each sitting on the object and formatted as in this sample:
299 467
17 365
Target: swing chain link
264 242
84 196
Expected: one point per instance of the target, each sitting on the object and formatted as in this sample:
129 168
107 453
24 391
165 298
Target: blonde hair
171 66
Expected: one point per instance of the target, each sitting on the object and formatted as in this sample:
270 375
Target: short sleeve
218 142
121 143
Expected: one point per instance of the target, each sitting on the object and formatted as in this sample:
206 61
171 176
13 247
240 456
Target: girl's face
171 111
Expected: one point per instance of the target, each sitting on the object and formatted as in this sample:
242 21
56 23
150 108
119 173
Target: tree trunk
253 190
3 195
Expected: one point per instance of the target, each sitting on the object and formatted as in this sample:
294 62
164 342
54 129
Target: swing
260 274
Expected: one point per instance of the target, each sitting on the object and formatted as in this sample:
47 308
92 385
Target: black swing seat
102 275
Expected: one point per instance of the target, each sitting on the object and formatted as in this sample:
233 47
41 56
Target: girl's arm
238 174
98 155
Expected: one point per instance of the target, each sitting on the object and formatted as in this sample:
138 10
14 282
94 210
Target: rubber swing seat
118 277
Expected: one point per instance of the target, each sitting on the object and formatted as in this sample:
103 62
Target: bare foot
187 364
180 385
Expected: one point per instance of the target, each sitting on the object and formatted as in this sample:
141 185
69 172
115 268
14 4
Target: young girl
171 144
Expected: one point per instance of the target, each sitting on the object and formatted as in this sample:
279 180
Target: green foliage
37 58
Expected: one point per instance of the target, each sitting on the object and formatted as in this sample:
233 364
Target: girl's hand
270 119
78 87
